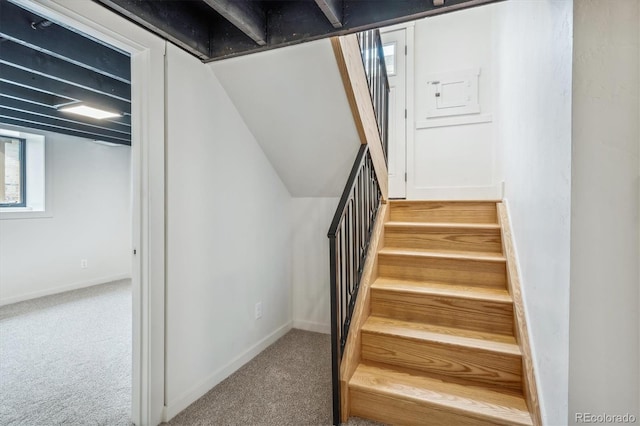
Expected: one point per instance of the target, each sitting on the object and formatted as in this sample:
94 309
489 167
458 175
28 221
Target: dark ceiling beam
227 40
293 22
219 29
332 9
38 82
297 21
40 63
248 16
53 113
15 25
172 20
34 122
85 128
33 96
60 129
366 14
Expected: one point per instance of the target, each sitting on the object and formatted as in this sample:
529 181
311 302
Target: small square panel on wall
453 93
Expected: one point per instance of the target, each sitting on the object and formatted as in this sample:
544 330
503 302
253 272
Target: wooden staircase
439 346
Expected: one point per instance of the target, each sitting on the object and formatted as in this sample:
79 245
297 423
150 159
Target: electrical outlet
84 264
258 310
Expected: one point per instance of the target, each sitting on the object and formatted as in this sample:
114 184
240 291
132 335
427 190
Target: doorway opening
146 195
66 224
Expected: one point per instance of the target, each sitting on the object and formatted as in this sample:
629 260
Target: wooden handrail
354 78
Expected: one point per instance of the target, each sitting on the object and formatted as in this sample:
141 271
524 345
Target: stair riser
470 314
391 410
444 212
462 364
448 239
451 271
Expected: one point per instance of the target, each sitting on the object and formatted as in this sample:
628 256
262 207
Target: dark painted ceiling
45 66
218 29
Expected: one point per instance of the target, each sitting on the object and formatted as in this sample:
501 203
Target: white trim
404 25
148 193
197 391
411 128
316 327
41 205
455 121
63 289
523 291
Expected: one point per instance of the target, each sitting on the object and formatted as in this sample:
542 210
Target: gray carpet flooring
289 383
66 359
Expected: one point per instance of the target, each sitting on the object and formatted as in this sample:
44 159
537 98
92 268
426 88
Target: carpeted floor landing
66 359
289 383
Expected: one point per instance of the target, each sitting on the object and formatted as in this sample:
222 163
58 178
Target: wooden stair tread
444 211
444 202
457 255
471 401
444 335
442 289
429 225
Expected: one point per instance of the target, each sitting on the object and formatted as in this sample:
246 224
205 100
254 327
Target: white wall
533 124
310 263
603 373
228 237
456 161
89 218
294 103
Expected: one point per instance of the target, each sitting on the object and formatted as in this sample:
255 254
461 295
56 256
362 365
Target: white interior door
394 43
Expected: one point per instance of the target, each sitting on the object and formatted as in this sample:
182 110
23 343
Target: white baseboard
189 397
62 289
316 327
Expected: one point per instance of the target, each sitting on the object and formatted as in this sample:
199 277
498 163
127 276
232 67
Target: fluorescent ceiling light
88 111
108 143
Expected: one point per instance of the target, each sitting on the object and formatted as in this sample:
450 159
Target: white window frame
39 178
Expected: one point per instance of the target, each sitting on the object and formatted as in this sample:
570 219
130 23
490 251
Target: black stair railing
376 70
349 238
353 222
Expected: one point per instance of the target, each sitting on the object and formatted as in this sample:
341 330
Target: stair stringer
353 348
530 388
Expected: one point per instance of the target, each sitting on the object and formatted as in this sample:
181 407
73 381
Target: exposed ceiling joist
41 83
55 40
367 14
227 28
35 123
86 128
53 113
172 20
248 16
91 132
332 9
33 96
45 66
20 56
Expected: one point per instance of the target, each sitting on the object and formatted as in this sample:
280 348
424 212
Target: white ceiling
293 101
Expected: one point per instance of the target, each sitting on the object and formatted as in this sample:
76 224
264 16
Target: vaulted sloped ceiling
218 29
45 67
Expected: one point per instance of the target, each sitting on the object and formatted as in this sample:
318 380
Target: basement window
389 50
22 176
13 175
